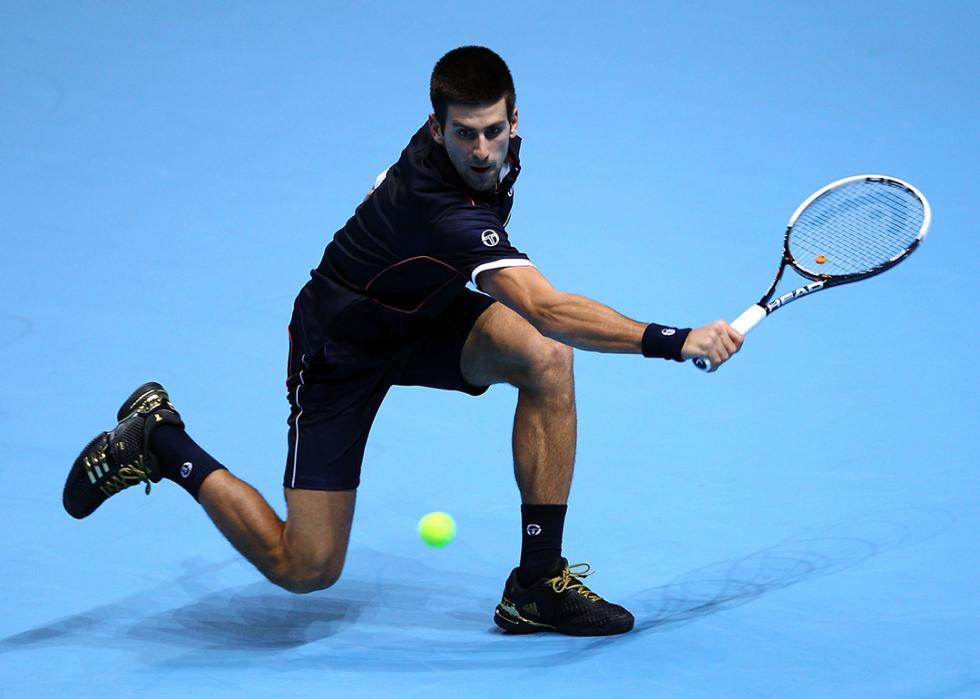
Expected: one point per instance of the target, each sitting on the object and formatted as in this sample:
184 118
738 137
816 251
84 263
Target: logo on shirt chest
490 237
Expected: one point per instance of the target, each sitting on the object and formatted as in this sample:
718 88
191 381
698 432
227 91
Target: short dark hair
470 75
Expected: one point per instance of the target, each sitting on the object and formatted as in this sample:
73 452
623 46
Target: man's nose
481 148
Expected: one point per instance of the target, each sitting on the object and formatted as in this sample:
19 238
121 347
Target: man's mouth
481 168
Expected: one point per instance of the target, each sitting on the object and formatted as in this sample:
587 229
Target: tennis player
389 305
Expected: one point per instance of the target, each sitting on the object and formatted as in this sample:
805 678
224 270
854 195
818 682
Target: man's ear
435 129
513 123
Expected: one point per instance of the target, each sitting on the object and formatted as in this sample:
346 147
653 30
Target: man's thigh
501 347
318 525
332 410
435 359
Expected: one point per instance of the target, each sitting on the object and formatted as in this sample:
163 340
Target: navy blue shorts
334 394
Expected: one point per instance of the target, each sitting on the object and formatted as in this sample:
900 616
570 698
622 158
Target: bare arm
569 318
586 324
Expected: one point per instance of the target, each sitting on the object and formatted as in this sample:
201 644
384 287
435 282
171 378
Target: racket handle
745 322
749 319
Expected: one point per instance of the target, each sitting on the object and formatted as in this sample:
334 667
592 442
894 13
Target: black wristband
664 342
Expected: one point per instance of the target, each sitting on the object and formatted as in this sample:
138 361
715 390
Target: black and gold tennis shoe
562 604
116 460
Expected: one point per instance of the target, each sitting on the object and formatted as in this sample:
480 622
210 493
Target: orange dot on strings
821 259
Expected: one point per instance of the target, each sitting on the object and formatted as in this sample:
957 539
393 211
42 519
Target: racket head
856 227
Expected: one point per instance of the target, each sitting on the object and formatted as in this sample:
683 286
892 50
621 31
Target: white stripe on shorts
296 424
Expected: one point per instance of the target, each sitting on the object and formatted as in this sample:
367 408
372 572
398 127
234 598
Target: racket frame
766 305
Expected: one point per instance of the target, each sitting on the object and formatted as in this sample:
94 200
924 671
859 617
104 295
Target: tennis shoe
116 460
563 604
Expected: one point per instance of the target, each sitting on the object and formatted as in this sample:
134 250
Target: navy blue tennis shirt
411 247
423 232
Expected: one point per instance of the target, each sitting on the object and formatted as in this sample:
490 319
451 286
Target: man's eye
493 132
464 133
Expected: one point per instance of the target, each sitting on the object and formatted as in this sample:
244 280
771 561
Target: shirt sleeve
472 239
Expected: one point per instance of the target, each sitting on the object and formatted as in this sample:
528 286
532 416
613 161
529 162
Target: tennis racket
850 230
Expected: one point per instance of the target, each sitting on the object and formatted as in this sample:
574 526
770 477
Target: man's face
476 139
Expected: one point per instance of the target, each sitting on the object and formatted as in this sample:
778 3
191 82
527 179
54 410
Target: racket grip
749 319
745 322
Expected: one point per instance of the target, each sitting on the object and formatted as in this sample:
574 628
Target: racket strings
859 246
855 228
868 245
849 234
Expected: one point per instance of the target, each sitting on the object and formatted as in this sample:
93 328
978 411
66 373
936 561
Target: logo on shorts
668 331
186 469
490 237
533 529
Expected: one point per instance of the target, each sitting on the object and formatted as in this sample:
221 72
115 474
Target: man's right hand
717 341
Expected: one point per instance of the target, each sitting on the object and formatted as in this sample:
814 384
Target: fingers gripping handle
745 322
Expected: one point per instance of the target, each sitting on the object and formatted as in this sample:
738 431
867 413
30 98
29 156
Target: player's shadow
256 618
230 621
253 616
736 582
729 584
233 619
248 618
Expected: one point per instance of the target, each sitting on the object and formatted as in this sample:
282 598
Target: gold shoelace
569 579
127 476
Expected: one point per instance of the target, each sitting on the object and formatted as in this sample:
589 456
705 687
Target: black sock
541 530
181 459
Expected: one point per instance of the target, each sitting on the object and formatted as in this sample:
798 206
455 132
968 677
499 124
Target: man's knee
309 576
313 583
549 367
310 555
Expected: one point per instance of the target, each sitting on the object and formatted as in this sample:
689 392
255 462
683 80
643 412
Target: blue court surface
801 524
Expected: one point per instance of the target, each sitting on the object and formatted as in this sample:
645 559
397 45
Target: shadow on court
730 584
733 583
396 624
254 616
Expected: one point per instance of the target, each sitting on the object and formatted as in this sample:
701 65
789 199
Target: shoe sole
520 626
80 473
517 625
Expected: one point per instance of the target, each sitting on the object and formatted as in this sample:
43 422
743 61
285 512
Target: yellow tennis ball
437 529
